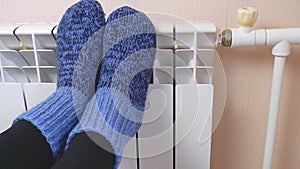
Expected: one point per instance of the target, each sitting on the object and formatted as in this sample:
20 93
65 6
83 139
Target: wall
239 140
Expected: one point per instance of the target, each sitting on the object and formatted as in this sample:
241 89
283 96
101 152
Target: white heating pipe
280 51
269 37
245 35
263 37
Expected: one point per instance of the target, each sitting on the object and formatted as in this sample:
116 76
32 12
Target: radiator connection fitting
245 35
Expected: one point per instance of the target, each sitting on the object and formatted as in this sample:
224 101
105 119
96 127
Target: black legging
84 153
23 146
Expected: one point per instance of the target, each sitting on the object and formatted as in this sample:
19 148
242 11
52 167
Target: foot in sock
116 110
78 58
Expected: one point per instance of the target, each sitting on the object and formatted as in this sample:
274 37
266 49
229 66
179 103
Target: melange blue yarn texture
116 110
77 64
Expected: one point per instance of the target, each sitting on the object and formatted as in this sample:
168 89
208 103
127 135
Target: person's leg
116 110
87 153
79 51
23 146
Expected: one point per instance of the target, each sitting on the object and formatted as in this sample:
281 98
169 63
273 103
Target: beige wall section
239 140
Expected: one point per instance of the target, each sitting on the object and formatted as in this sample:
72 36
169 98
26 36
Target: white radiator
176 131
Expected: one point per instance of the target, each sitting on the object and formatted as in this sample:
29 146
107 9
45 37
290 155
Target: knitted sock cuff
56 116
112 116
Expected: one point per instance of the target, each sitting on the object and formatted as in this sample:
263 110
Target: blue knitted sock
116 110
79 46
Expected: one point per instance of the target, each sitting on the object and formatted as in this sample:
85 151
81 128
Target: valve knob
247 16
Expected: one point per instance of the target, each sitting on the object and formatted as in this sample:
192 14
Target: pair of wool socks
127 43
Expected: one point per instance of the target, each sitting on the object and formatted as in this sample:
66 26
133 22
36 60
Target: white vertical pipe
280 51
279 64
